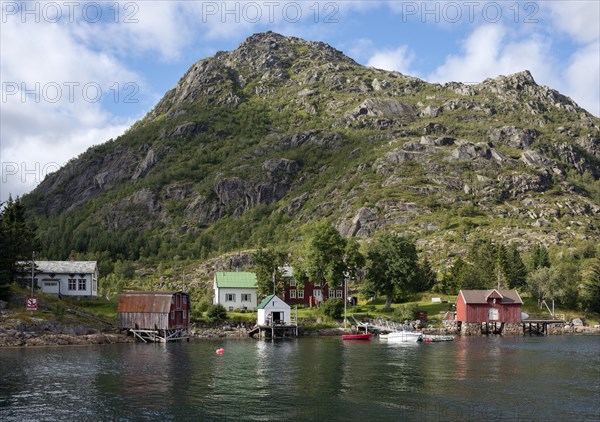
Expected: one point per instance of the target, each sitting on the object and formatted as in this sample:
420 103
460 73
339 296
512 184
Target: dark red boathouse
503 306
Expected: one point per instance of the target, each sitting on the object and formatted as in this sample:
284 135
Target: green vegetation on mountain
255 145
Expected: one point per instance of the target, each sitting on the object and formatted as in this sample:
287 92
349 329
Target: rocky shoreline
52 333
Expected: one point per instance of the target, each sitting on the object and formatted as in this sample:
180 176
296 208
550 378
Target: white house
67 278
235 290
274 309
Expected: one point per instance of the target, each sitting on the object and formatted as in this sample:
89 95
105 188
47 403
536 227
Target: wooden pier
161 336
539 326
274 331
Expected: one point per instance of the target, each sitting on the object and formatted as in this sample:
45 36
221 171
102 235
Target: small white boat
402 336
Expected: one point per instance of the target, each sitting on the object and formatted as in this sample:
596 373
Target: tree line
387 266
391 267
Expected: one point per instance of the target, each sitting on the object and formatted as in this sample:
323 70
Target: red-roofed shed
488 306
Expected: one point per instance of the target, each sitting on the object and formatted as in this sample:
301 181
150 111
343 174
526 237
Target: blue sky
75 74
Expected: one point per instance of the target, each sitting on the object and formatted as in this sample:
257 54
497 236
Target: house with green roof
235 290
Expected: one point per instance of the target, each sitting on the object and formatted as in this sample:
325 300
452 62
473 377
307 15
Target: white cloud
398 59
492 50
579 19
488 52
62 115
162 27
582 78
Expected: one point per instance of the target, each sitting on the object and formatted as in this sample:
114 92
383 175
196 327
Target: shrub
58 310
217 313
333 308
406 312
204 305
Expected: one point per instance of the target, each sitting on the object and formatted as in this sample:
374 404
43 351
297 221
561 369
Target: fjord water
555 378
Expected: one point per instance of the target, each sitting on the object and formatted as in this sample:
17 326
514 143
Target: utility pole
345 300
32 271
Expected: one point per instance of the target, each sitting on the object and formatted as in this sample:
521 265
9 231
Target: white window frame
338 294
331 294
300 293
246 297
318 294
229 297
293 294
82 284
72 283
292 282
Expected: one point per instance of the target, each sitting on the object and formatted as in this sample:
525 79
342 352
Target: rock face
283 131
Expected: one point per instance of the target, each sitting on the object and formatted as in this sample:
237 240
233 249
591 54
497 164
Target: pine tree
517 271
428 276
17 239
540 258
502 266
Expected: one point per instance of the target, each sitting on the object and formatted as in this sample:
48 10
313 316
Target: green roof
265 301
237 279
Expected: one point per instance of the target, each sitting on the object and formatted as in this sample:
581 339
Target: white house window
184 299
292 282
292 294
50 283
331 294
317 293
72 284
246 297
301 294
230 297
338 294
317 284
82 284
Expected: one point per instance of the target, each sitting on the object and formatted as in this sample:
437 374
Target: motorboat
402 336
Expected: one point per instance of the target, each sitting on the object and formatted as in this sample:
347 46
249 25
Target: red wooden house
155 316
488 306
308 293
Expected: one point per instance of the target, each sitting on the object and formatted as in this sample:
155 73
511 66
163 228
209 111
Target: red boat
366 336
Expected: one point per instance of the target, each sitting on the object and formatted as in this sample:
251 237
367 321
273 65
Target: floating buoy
220 351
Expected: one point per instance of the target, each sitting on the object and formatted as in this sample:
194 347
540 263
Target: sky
76 74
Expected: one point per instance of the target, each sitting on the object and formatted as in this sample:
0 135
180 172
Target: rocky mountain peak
282 131
264 58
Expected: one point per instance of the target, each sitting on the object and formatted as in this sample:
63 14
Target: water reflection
305 379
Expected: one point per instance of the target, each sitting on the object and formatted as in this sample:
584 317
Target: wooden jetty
274 330
539 326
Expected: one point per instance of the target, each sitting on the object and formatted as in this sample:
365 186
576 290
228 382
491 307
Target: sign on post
32 304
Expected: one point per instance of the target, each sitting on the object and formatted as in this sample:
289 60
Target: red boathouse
155 316
488 306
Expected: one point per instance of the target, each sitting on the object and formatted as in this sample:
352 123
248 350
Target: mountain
254 143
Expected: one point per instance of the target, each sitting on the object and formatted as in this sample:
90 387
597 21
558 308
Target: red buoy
220 351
